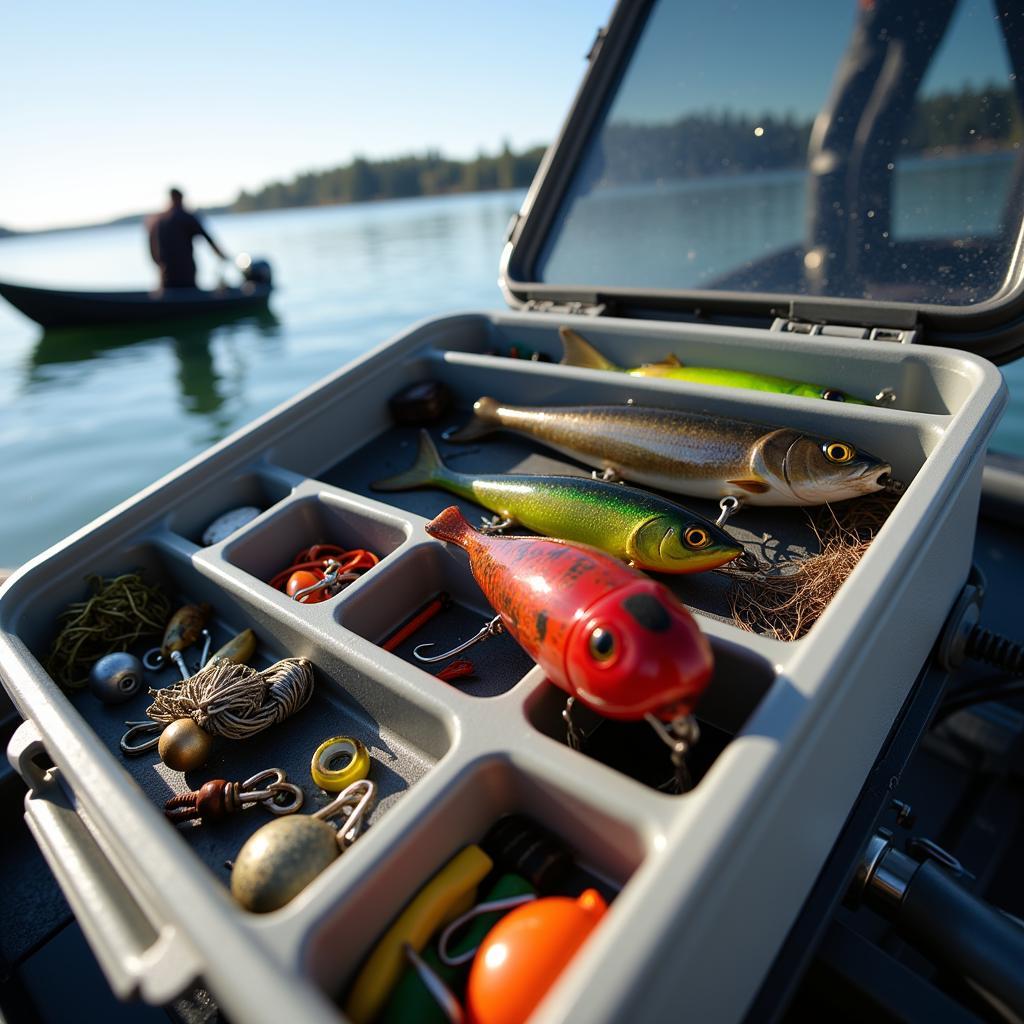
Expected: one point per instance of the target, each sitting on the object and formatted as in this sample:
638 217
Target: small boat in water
54 308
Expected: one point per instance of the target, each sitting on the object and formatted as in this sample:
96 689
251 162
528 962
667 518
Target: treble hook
679 736
492 628
729 506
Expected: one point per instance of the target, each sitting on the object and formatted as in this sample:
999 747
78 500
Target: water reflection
204 390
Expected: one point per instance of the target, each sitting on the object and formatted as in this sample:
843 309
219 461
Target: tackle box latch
553 306
895 325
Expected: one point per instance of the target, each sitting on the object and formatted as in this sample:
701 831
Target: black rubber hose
965 934
998 651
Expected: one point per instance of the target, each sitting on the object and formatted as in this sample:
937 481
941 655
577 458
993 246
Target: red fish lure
606 634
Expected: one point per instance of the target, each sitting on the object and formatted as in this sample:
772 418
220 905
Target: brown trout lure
692 453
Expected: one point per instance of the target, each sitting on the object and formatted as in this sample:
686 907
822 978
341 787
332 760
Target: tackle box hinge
512 231
575 308
595 46
794 325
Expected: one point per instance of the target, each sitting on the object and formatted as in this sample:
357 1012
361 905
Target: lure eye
837 451
602 645
833 395
696 538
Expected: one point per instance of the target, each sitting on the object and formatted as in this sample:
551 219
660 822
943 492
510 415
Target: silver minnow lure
692 453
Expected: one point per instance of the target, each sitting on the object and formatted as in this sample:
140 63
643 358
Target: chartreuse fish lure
647 531
610 637
692 453
577 351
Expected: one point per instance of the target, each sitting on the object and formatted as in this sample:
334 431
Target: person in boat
170 243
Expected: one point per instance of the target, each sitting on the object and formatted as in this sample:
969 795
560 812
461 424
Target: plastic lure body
612 638
643 529
692 453
577 351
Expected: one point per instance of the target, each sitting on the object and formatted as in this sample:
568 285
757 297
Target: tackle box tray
707 883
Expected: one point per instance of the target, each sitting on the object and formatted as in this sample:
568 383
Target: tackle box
706 883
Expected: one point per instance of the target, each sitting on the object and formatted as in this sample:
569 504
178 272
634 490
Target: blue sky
105 104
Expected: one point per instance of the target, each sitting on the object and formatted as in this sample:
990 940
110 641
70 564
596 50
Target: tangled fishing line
236 701
120 611
786 602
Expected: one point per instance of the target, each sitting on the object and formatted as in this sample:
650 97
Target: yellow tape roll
334 780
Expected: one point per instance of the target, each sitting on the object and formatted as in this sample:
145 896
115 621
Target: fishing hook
492 628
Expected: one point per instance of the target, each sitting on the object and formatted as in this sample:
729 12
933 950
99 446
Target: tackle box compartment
712 876
707 883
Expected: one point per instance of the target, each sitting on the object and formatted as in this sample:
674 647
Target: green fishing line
120 611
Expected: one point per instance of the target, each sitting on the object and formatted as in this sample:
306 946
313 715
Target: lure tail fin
577 351
485 419
670 362
426 470
451 526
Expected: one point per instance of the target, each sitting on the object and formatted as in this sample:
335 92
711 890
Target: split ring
334 780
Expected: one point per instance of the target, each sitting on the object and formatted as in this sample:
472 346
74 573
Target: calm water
88 420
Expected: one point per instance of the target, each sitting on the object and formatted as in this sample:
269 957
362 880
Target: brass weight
184 746
280 859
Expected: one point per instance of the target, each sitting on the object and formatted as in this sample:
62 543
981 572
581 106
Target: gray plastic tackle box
707 882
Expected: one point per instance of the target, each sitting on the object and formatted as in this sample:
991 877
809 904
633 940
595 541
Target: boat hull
52 308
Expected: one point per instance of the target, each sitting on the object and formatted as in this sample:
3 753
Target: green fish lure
577 351
643 529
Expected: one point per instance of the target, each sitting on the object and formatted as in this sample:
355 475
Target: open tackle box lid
853 172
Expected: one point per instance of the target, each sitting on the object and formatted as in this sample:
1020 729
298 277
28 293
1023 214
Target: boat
53 308
850 847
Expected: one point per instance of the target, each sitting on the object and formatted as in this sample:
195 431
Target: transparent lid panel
865 150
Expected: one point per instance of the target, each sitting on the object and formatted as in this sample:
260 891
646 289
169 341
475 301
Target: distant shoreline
363 182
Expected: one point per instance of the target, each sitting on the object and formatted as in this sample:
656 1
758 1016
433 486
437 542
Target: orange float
525 952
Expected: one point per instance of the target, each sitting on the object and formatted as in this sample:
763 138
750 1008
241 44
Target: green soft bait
643 529
577 351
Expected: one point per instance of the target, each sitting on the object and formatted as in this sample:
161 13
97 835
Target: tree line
697 145
715 144
402 177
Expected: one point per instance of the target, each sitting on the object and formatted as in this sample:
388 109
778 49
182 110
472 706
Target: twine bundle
120 611
236 701
785 604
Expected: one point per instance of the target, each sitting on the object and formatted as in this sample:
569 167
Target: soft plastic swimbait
643 529
577 351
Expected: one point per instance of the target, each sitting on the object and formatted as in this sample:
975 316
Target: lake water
87 421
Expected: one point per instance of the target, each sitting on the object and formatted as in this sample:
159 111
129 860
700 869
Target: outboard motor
254 271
